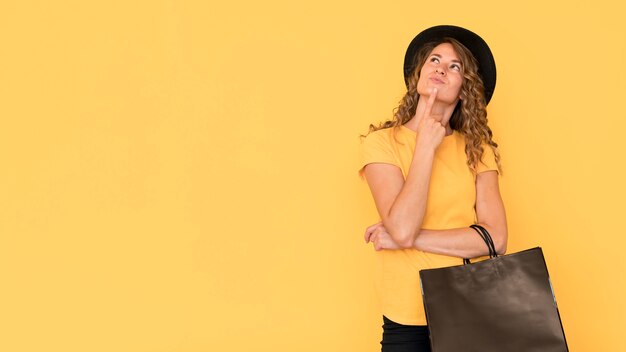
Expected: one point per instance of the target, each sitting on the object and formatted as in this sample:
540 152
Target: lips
436 80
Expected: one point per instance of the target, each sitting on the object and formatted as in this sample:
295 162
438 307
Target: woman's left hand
378 235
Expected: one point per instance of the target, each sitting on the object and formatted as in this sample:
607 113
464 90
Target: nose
440 71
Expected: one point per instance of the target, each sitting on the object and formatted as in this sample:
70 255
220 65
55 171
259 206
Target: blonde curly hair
470 114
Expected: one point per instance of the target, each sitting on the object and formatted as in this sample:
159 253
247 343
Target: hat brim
471 40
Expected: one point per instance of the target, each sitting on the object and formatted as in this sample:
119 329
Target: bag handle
484 234
487 238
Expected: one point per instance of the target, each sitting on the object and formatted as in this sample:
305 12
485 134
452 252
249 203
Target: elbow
401 233
501 250
406 240
403 230
407 244
501 244
499 236
403 239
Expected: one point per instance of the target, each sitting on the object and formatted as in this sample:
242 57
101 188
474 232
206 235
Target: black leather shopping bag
505 303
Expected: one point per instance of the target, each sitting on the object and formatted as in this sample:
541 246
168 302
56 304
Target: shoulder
377 147
488 159
487 148
381 136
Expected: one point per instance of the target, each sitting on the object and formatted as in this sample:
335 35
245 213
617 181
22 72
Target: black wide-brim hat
471 40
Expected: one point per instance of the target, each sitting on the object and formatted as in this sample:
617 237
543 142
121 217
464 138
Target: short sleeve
375 148
488 159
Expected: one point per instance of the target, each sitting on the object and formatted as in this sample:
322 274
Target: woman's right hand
430 131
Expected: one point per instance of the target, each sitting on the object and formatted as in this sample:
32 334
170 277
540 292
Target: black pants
404 338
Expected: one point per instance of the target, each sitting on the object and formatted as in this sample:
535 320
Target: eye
434 58
456 67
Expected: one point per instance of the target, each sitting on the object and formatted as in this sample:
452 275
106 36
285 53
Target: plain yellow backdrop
182 175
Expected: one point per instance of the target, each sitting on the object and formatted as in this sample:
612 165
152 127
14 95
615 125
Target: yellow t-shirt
450 204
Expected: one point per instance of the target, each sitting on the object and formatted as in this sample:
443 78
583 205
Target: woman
432 171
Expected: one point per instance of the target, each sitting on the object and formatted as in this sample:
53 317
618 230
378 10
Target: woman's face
442 70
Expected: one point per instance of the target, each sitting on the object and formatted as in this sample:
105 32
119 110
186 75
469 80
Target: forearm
462 242
407 212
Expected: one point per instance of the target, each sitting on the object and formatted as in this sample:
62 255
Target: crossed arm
458 242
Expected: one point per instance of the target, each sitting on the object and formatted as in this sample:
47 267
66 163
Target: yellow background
182 176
